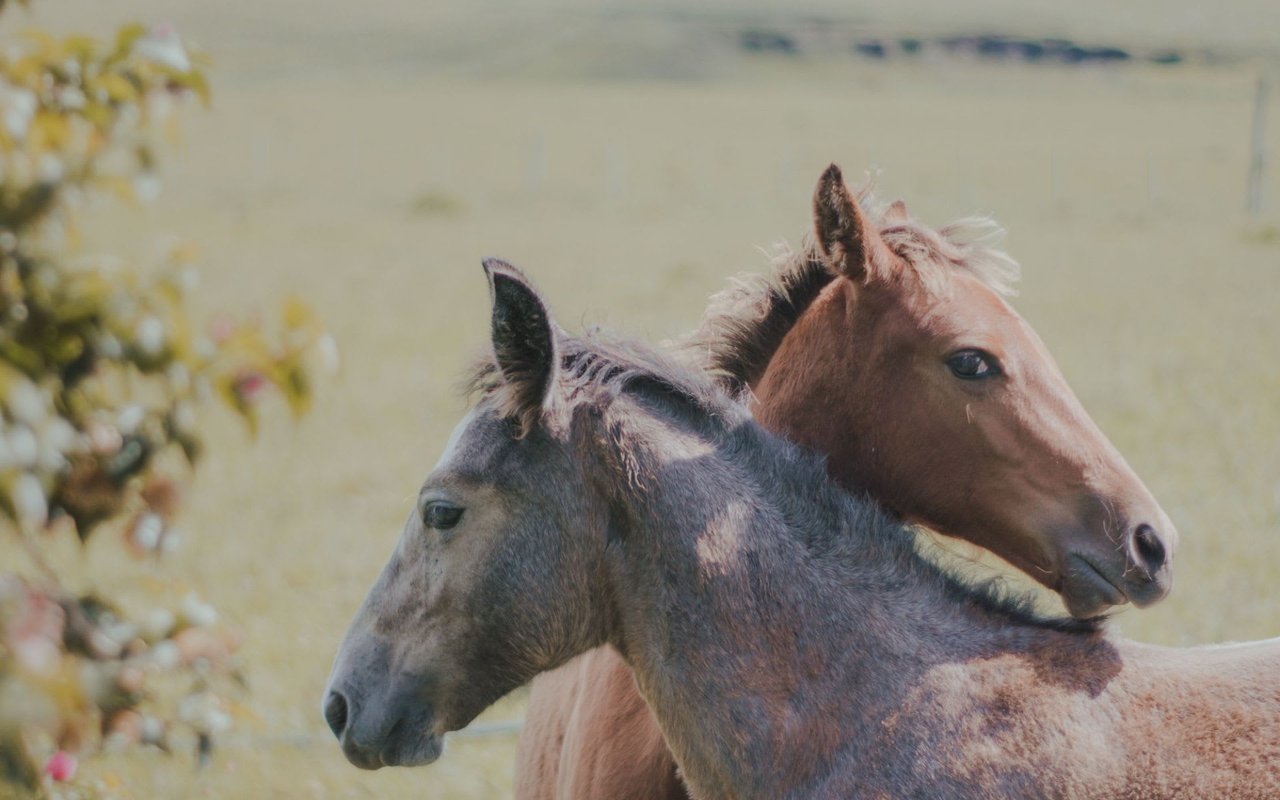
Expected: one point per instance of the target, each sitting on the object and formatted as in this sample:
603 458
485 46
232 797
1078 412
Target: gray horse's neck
760 606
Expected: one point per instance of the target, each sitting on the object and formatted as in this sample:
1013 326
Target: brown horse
861 348
788 636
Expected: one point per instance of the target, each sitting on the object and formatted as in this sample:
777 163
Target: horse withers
789 638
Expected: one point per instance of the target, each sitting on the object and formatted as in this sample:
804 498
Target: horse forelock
967 245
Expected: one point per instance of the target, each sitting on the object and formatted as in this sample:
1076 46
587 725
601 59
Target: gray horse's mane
596 369
745 323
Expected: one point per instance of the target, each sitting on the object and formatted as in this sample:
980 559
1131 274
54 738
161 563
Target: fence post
1153 199
536 172
1057 195
615 173
1257 149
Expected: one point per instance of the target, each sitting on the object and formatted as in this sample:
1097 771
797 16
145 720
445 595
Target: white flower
50 459
129 418
28 500
203 711
160 106
38 654
104 645
62 436
46 275
21 447
110 348
184 418
19 109
104 439
146 186
147 532
187 277
205 348
163 46
179 377
122 306
157 623
165 654
327 348
218 721
129 116
198 612
26 403
71 98
170 542
51 168
202 388
149 335
120 632
152 730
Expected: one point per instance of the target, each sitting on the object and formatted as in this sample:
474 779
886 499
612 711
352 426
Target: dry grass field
365 158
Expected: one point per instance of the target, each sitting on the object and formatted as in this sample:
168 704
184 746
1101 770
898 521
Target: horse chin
1087 591
416 751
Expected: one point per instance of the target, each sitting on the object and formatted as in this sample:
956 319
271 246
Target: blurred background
631 157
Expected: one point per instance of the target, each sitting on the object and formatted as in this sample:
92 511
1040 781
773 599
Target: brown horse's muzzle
1139 569
1151 553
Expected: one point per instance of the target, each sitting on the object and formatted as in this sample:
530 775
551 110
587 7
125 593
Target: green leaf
125 38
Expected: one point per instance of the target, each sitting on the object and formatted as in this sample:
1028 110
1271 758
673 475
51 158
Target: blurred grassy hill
631 39
633 156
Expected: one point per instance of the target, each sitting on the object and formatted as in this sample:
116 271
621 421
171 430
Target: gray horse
787 636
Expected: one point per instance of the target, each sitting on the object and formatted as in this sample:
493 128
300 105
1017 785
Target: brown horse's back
590 708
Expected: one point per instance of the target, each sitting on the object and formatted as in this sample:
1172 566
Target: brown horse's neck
804 392
749 624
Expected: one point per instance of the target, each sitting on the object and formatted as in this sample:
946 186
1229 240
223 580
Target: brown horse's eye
441 515
973 365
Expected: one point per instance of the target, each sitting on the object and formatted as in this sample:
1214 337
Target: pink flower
221 329
34 626
249 386
61 766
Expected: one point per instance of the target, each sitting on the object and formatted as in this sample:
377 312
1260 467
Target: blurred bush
102 369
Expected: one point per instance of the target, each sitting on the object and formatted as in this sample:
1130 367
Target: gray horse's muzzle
380 719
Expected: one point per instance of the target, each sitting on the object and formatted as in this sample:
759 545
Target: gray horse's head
485 588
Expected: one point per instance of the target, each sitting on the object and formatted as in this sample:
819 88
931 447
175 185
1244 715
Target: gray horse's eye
441 515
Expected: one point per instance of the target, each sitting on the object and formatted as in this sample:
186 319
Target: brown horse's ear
524 340
897 214
852 245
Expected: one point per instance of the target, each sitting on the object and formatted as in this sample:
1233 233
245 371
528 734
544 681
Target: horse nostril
1149 548
335 713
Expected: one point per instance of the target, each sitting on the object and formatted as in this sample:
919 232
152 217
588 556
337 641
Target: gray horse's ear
524 340
851 244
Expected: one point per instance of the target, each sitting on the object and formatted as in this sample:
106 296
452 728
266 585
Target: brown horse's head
929 392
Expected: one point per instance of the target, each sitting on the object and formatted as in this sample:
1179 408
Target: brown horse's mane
745 323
